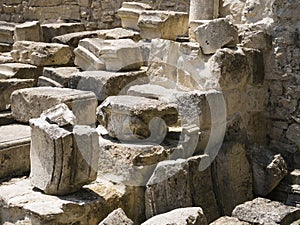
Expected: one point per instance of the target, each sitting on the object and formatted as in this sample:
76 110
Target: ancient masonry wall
93 13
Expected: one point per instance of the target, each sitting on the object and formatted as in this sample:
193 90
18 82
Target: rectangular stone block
19 70
8 86
61 75
14 150
6 118
28 31
7 32
4 47
31 102
70 160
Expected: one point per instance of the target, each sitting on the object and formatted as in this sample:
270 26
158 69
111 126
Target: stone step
31 102
109 55
14 150
135 113
19 70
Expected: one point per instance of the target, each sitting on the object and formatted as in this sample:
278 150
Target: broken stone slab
109 55
216 34
135 113
47 82
226 220
19 70
264 211
117 217
5 57
51 30
193 24
7 32
60 76
31 102
14 150
72 39
182 216
6 118
41 54
28 31
204 10
130 13
105 84
8 86
268 168
163 24
4 47
119 33
72 152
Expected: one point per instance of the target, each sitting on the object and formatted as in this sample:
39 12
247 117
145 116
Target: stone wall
93 13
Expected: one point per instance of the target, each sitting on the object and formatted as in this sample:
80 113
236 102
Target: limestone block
105 84
216 34
31 102
71 157
204 10
6 118
5 57
234 176
130 13
228 221
135 113
14 150
4 47
264 211
162 24
110 55
41 54
19 70
8 86
51 30
119 33
7 32
28 31
60 75
182 216
268 170
42 3
117 217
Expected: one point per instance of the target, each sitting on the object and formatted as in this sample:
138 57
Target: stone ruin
149 112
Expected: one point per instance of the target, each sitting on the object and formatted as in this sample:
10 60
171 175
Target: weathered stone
204 10
162 24
42 3
8 86
6 118
47 82
28 31
233 175
5 57
14 150
41 54
268 170
7 32
263 211
71 157
135 113
4 47
51 30
105 84
119 33
293 133
60 75
216 34
225 220
19 70
31 102
182 216
130 13
117 217
111 55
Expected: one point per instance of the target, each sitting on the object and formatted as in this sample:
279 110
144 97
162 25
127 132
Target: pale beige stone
204 10
59 75
7 32
117 217
226 220
119 33
19 70
41 54
28 31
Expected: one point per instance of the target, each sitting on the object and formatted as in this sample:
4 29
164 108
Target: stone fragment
5 57
233 175
19 70
135 114
51 30
204 10
28 31
60 76
4 47
293 133
7 32
264 211
41 54
110 55
182 216
119 33
8 86
130 13
6 118
163 24
216 34
31 102
47 82
117 217
225 220
71 157
105 84
14 150
41 3
268 170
